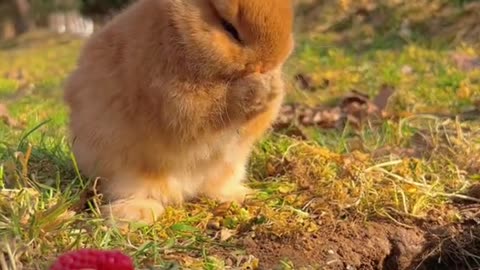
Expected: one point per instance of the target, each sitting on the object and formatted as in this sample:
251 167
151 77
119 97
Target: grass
402 170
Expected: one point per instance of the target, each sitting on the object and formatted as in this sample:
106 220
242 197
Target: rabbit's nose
260 67
265 68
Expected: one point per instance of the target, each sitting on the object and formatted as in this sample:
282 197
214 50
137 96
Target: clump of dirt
346 246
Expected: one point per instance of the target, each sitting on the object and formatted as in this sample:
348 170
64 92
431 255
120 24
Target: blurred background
451 20
74 16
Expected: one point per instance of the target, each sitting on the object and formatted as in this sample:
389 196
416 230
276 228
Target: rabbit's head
231 38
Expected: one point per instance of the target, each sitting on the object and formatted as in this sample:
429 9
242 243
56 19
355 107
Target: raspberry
90 259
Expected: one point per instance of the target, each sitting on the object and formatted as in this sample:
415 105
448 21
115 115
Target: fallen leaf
226 234
407 70
296 132
356 144
465 62
474 191
328 118
304 81
470 115
355 108
18 75
23 90
86 196
6 118
214 224
222 209
381 100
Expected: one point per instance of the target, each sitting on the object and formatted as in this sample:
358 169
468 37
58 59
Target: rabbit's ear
227 9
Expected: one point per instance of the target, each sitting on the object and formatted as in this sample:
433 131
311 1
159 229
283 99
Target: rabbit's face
232 38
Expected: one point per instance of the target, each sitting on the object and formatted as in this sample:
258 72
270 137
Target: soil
349 246
374 245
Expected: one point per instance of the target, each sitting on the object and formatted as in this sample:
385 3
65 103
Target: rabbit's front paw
134 210
249 96
230 193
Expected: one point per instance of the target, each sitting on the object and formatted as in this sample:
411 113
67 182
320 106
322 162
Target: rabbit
168 99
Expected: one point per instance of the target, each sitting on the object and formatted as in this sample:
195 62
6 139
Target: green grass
402 170
434 84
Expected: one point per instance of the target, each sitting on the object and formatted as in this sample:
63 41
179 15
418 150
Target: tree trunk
22 16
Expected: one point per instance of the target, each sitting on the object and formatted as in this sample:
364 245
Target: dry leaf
222 209
6 118
466 62
304 82
407 70
474 191
355 107
381 100
214 224
226 234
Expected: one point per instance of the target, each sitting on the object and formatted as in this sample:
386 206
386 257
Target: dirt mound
352 246
372 246
379 245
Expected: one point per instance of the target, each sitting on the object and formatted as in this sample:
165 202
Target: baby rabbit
168 99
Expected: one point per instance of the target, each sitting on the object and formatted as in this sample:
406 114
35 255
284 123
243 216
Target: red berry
89 259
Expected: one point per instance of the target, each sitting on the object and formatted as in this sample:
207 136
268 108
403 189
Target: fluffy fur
166 103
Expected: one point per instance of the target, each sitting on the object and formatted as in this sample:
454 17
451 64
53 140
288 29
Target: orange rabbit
169 97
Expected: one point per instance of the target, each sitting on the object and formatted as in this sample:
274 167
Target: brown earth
374 245
348 246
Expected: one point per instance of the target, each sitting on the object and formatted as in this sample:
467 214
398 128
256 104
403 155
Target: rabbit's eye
231 30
